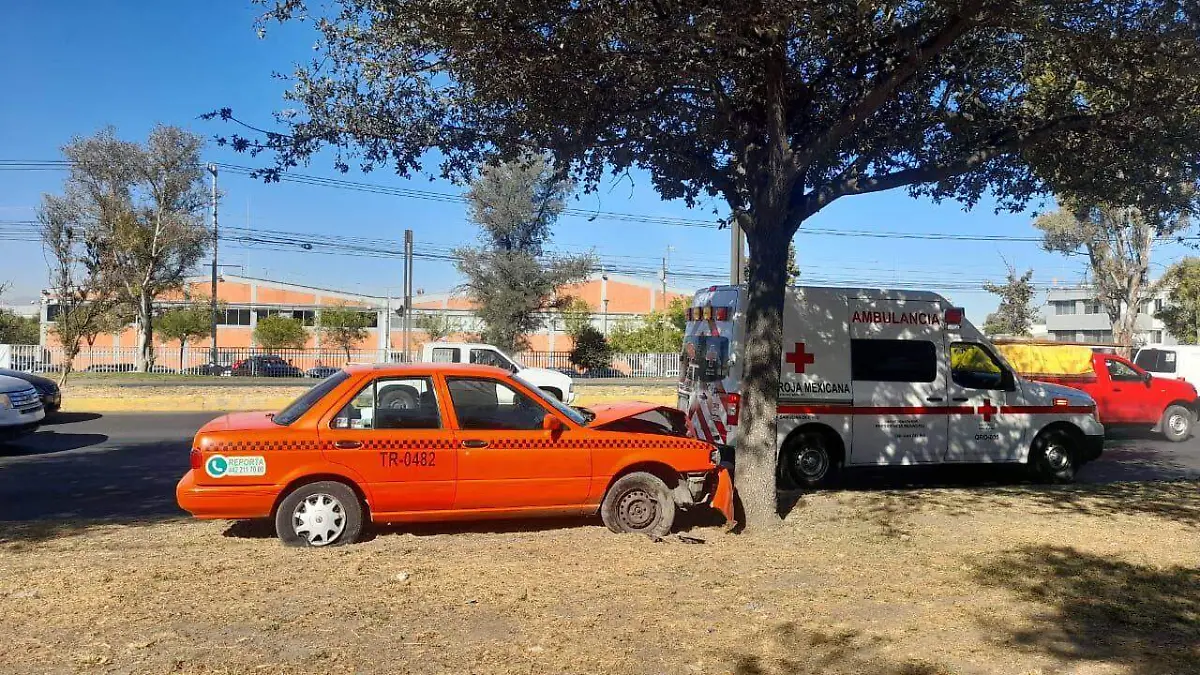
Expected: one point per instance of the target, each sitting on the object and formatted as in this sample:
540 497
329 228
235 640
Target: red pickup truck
1127 395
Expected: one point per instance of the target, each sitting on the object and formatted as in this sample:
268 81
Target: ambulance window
973 367
893 360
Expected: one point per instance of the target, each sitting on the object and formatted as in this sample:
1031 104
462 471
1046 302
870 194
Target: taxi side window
482 404
972 367
392 403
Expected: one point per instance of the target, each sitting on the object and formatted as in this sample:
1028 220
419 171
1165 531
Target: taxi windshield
561 407
309 398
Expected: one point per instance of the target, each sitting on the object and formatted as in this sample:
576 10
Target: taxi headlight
5 402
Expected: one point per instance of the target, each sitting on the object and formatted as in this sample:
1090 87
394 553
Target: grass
1086 580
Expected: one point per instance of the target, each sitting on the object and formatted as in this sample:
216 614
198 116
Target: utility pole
212 356
408 277
737 259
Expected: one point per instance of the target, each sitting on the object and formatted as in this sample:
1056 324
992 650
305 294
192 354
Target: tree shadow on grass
1094 608
787 649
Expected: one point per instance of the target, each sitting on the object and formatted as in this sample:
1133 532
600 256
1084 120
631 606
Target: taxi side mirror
552 425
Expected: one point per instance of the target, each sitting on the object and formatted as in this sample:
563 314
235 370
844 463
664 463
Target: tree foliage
280 332
343 326
1118 242
185 324
1016 313
436 325
776 109
576 315
654 333
509 277
1181 313
591 350
139 209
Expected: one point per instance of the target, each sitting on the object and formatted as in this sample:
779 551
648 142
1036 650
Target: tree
793 270
591 350
775 108
343 326
509 279
186 323
140 208
1016 313
80 297
436 325
576 315
1118 241
1181 315
654 334
280 332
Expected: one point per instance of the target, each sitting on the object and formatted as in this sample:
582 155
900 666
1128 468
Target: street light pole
212 168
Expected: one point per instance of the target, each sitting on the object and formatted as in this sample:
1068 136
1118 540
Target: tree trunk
757 446
144 358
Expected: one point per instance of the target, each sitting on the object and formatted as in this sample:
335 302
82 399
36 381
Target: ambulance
874 377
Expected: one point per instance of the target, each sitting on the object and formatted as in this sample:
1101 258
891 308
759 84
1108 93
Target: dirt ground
1025 580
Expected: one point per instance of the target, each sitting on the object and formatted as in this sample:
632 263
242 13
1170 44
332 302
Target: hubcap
811 462
638 509
319 519
1178 424
1057 457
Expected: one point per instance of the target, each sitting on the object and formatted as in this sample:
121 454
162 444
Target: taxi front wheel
639 502
325 513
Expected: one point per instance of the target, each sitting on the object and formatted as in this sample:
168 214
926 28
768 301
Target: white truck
21 408
558 385
875 377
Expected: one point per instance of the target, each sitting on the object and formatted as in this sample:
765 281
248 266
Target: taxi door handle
472 443
347 445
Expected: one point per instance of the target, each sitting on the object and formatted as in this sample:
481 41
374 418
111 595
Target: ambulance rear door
900 376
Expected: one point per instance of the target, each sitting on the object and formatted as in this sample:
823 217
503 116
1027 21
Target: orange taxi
424 442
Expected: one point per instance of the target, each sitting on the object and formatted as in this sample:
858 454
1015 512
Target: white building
1074 315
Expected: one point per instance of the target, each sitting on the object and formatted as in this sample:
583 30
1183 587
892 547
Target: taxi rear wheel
639 503
324 513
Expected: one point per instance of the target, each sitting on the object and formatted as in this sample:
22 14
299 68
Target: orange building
246 299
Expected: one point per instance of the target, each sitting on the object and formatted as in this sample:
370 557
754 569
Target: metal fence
253 361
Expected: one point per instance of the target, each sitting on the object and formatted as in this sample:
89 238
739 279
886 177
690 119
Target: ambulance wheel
1053 457
1176 423
807 460
324 513
640 503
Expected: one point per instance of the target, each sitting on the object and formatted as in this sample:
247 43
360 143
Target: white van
879 377
1177 362
558 385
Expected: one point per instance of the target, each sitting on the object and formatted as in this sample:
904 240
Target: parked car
47 389
21 409
442 441
1176 362
321 371
603 372
555 383
265 365
109 368
214 369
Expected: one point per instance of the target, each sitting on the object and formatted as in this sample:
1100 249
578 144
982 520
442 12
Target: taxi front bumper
224 501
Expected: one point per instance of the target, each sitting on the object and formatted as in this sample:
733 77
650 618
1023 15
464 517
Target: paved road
125 466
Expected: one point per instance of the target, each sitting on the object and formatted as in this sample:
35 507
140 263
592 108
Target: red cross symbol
799 358
987 410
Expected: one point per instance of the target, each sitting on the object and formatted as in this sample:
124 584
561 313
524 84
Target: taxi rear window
309 398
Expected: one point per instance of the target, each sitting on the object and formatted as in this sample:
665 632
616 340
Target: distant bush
591 350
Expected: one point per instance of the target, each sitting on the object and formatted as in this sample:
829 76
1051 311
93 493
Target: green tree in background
343 326
1016 313
576 315
509 277
1181 313
186 323
280 332
436 325
591 350
655 333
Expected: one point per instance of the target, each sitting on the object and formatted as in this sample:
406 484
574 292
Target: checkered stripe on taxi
596 443
407 444
265 445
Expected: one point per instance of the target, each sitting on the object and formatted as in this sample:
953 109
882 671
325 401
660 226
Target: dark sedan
267 365
47 389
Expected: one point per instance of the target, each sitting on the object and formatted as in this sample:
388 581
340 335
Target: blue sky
70 68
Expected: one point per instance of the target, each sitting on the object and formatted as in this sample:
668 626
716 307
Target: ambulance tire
1176 424
807 461
334 503
639 503
1054 456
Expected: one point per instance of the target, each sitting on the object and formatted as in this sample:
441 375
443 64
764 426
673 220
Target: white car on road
21 408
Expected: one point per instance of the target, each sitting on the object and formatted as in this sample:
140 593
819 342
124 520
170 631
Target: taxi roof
425 369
